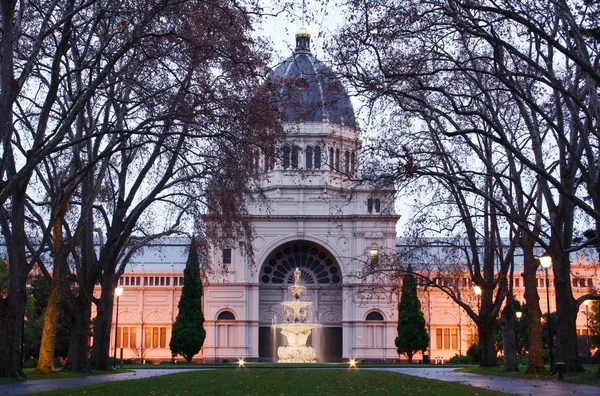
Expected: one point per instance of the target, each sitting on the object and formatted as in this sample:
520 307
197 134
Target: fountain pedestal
296 327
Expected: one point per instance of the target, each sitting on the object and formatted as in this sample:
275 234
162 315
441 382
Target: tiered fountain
296 327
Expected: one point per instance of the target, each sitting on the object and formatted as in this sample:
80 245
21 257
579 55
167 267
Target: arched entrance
322 277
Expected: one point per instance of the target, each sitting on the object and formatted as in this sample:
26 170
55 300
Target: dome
305 89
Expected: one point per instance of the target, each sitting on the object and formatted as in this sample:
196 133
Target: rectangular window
156 281
581 282
370 205
295 157
151 281
517 281
137 280
286 157
163 337
317 157
132 337
126 281
148 337
125 337
590 283
145 281
377 205
227 256
119 331
446 338
574 282
162 280
337 159
438 339
353 163
309 157
347 162
175 281
454 338
181 281
168 281
120 281
374 256
331 158
155 337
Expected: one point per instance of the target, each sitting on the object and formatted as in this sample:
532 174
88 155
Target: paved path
36 386
551 387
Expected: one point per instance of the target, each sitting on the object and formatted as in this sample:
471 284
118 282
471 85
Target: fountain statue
296 327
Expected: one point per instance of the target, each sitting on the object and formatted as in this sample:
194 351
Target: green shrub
30 363
474 353
460 359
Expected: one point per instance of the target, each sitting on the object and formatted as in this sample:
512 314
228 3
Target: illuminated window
373 256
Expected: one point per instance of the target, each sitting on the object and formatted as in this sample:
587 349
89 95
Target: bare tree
518 75
149 94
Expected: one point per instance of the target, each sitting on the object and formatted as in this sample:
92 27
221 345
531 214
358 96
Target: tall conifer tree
412 336
188 329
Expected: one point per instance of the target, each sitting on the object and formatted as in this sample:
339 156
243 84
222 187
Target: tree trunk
80 333
101 348
13 307
566 308
486 347
45 363
534 313
509 340
410 355
11 318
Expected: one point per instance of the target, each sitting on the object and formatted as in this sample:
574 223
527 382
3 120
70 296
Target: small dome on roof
305 89
303 32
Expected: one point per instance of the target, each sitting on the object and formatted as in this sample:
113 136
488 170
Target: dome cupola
303 40
306 90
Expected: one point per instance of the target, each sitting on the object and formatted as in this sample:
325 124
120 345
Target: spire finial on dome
303 40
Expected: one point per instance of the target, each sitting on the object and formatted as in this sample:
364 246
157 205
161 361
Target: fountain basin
296 351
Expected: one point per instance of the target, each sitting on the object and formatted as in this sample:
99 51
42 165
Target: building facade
314 216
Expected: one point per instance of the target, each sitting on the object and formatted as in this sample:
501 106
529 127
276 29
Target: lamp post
477 291
546 262
118 292
519 314
587 329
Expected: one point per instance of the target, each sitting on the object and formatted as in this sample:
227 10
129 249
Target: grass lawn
279 382
57 375
577 377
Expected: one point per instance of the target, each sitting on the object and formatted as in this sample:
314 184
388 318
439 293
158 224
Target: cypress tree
412 336
188 329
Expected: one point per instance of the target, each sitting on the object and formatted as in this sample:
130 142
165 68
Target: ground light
352 363
241 362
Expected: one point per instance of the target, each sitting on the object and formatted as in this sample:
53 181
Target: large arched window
316 264
226 315
337 159
226 329
374 316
